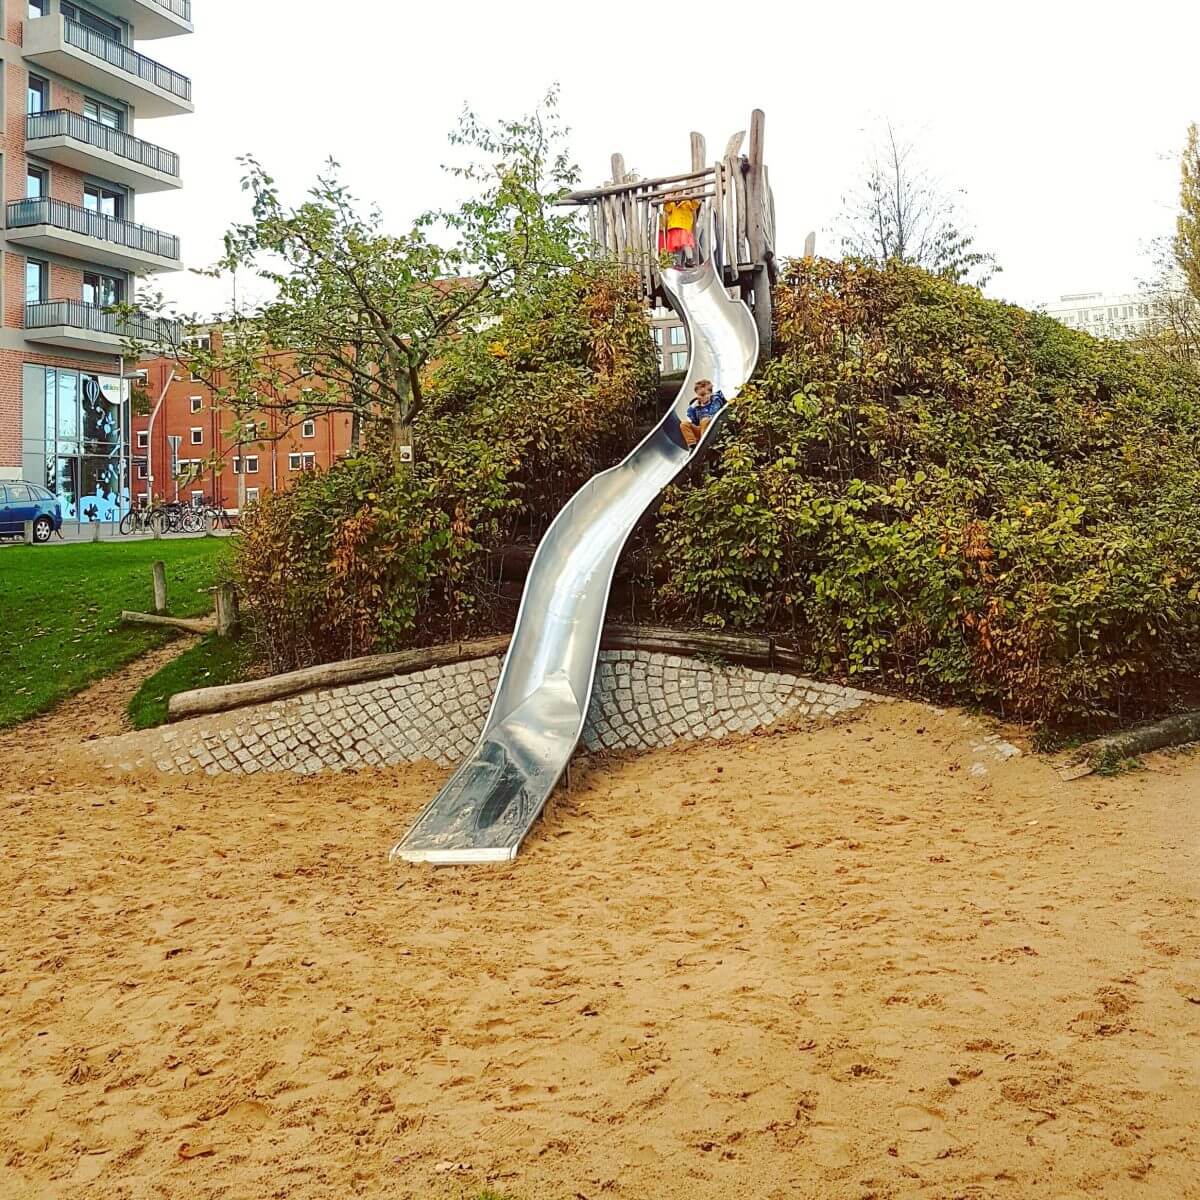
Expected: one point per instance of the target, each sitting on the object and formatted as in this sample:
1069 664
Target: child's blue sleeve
691 414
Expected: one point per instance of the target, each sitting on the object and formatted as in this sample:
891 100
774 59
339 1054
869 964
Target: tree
358 314
1174 290
900 212
1187 226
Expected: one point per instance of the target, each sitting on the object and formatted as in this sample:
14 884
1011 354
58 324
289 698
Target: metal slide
486 809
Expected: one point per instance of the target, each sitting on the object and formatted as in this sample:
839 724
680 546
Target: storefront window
82 450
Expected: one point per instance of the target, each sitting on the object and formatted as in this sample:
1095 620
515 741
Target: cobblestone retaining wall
640 701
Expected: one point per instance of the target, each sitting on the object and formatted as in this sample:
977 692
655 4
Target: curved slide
489 804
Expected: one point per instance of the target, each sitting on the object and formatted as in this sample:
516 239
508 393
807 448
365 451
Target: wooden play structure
735 227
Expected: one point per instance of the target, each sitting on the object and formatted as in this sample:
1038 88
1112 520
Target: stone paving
640 701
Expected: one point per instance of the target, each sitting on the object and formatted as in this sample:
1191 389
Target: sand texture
838 962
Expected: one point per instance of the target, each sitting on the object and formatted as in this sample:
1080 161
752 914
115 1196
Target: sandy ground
815 964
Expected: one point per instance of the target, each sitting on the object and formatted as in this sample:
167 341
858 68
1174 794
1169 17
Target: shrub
953 494
367 557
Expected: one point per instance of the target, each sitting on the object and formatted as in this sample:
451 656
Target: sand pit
819 964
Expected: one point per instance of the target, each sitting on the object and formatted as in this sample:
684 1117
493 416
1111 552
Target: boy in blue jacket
700 412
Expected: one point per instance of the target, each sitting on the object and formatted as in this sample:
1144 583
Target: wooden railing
735 227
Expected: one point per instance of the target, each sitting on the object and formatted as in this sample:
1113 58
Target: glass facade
75 427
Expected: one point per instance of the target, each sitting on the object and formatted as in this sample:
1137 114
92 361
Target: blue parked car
21 502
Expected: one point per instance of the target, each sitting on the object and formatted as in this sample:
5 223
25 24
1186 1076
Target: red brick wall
175 419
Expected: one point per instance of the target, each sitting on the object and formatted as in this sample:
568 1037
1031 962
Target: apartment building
670 336
72 87
1105 315
182 448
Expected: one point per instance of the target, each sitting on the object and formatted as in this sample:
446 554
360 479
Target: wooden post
95 531
28 533
699 154
756 213
227 610
810 244
160 587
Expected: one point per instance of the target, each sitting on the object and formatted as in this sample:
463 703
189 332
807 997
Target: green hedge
955 495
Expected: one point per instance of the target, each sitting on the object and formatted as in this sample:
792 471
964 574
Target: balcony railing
181 8
88 223
59 122
125 59
74 314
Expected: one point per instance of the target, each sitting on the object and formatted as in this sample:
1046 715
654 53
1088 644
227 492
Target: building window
107 201
37 183
38 8
197 499
141 470
251 430
196 403
37 94
293 462
197 435
302 462
143 439
658 336
103 114
198 341
90 20
308 429
678 336
251 495
237 465
36 274
102 291
679 360
251 464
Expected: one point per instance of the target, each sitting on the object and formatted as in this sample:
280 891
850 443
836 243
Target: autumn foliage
938 491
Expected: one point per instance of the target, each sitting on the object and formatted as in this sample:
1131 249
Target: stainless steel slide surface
537 713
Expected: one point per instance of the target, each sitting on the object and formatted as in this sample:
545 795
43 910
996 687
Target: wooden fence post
28 533
227 609
95 531
160 587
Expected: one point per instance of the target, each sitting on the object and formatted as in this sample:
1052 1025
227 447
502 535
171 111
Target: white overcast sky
1061 120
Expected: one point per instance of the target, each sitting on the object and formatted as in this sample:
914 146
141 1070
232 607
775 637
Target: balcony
73 325
95 149
151 19
56 227
56 43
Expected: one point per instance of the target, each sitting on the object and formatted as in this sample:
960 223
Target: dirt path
824 964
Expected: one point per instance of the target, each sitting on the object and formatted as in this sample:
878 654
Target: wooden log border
763 653
1107 754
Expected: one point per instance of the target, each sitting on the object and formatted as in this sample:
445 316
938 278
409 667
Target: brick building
71 170
184 451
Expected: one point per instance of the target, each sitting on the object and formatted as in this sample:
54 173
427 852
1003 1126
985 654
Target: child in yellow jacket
676 235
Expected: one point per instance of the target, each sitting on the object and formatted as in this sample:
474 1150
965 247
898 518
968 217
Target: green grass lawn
212 661
60 605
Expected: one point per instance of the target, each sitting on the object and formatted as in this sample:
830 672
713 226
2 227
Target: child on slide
701 412
677 236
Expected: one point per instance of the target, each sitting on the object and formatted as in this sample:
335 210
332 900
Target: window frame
193 440
43 269
195 404
308 429
42 174
143 439
43 92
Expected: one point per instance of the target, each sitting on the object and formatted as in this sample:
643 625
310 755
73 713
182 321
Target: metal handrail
126 59
181 8
60 122
44 210
75 314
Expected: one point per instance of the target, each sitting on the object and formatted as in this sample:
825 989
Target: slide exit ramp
488 806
